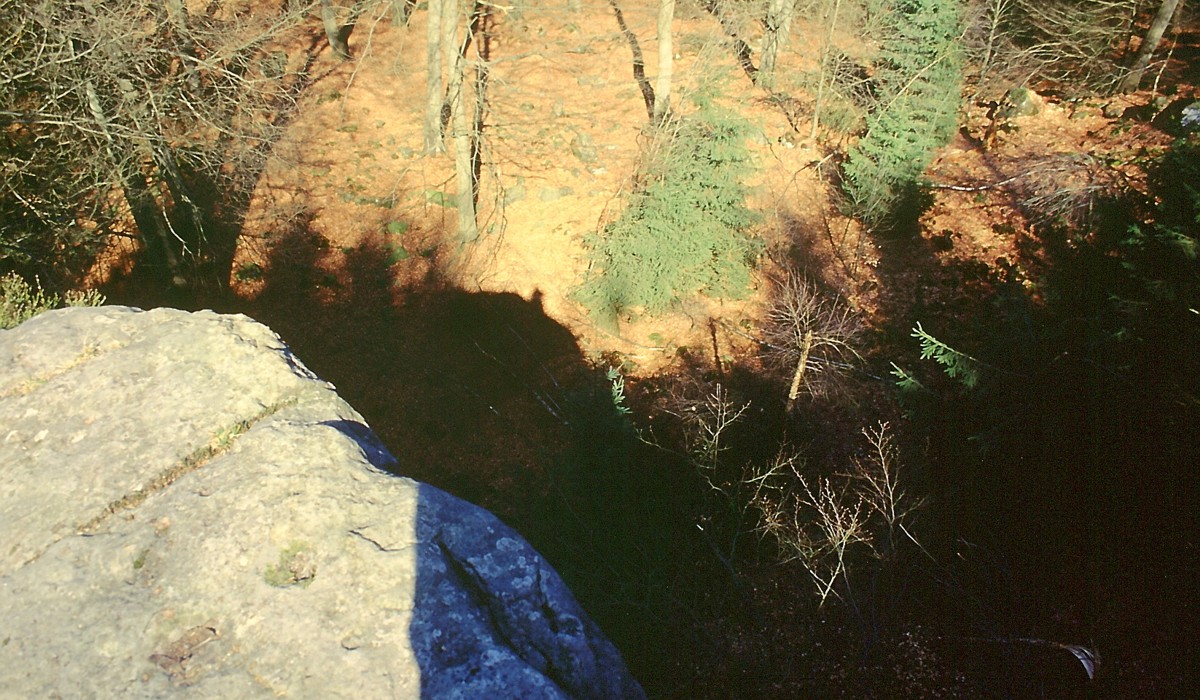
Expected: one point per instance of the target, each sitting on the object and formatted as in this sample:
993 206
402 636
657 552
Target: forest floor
564 134
466 358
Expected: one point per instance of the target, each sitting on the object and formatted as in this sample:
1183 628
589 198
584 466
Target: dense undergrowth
968 549
685 226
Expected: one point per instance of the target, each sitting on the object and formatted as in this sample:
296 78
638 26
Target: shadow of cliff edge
524 635
485 397
490 617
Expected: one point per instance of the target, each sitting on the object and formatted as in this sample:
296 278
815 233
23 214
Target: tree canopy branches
136 119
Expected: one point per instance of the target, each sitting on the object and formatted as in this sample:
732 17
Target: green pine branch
957 365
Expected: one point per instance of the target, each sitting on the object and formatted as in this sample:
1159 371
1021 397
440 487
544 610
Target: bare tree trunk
481 28
182 201
152 226
639 63
779 26
433 82
147 215
464 168
401 11
1158 26
450 53
801 367
826 49
333 30
741 49
460 125
997 11
666 56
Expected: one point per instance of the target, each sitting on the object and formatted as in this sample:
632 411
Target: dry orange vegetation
564 131
563 135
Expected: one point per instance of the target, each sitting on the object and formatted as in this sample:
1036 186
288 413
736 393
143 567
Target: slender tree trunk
195 236
801 368
464 168
481 28
450 53
460 124
143 205
666 57
997 11
401 11
333 30
779 26
639 63
741 49
826 48
1158 26
152 227
433 81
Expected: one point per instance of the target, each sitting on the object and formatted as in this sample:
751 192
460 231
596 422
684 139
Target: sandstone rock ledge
186 511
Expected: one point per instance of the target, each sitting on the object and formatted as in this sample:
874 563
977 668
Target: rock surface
187 511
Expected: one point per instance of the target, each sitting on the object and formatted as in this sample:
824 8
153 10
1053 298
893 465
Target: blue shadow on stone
491 618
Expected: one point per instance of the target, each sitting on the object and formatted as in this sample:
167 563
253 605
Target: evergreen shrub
919 78
684 230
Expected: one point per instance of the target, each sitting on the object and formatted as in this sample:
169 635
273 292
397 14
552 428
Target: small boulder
1021 102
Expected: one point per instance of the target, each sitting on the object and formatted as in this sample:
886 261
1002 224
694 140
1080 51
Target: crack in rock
221 443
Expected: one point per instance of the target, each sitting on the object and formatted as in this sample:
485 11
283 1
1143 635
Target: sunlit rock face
185 510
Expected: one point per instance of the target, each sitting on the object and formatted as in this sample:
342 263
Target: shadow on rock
484 396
